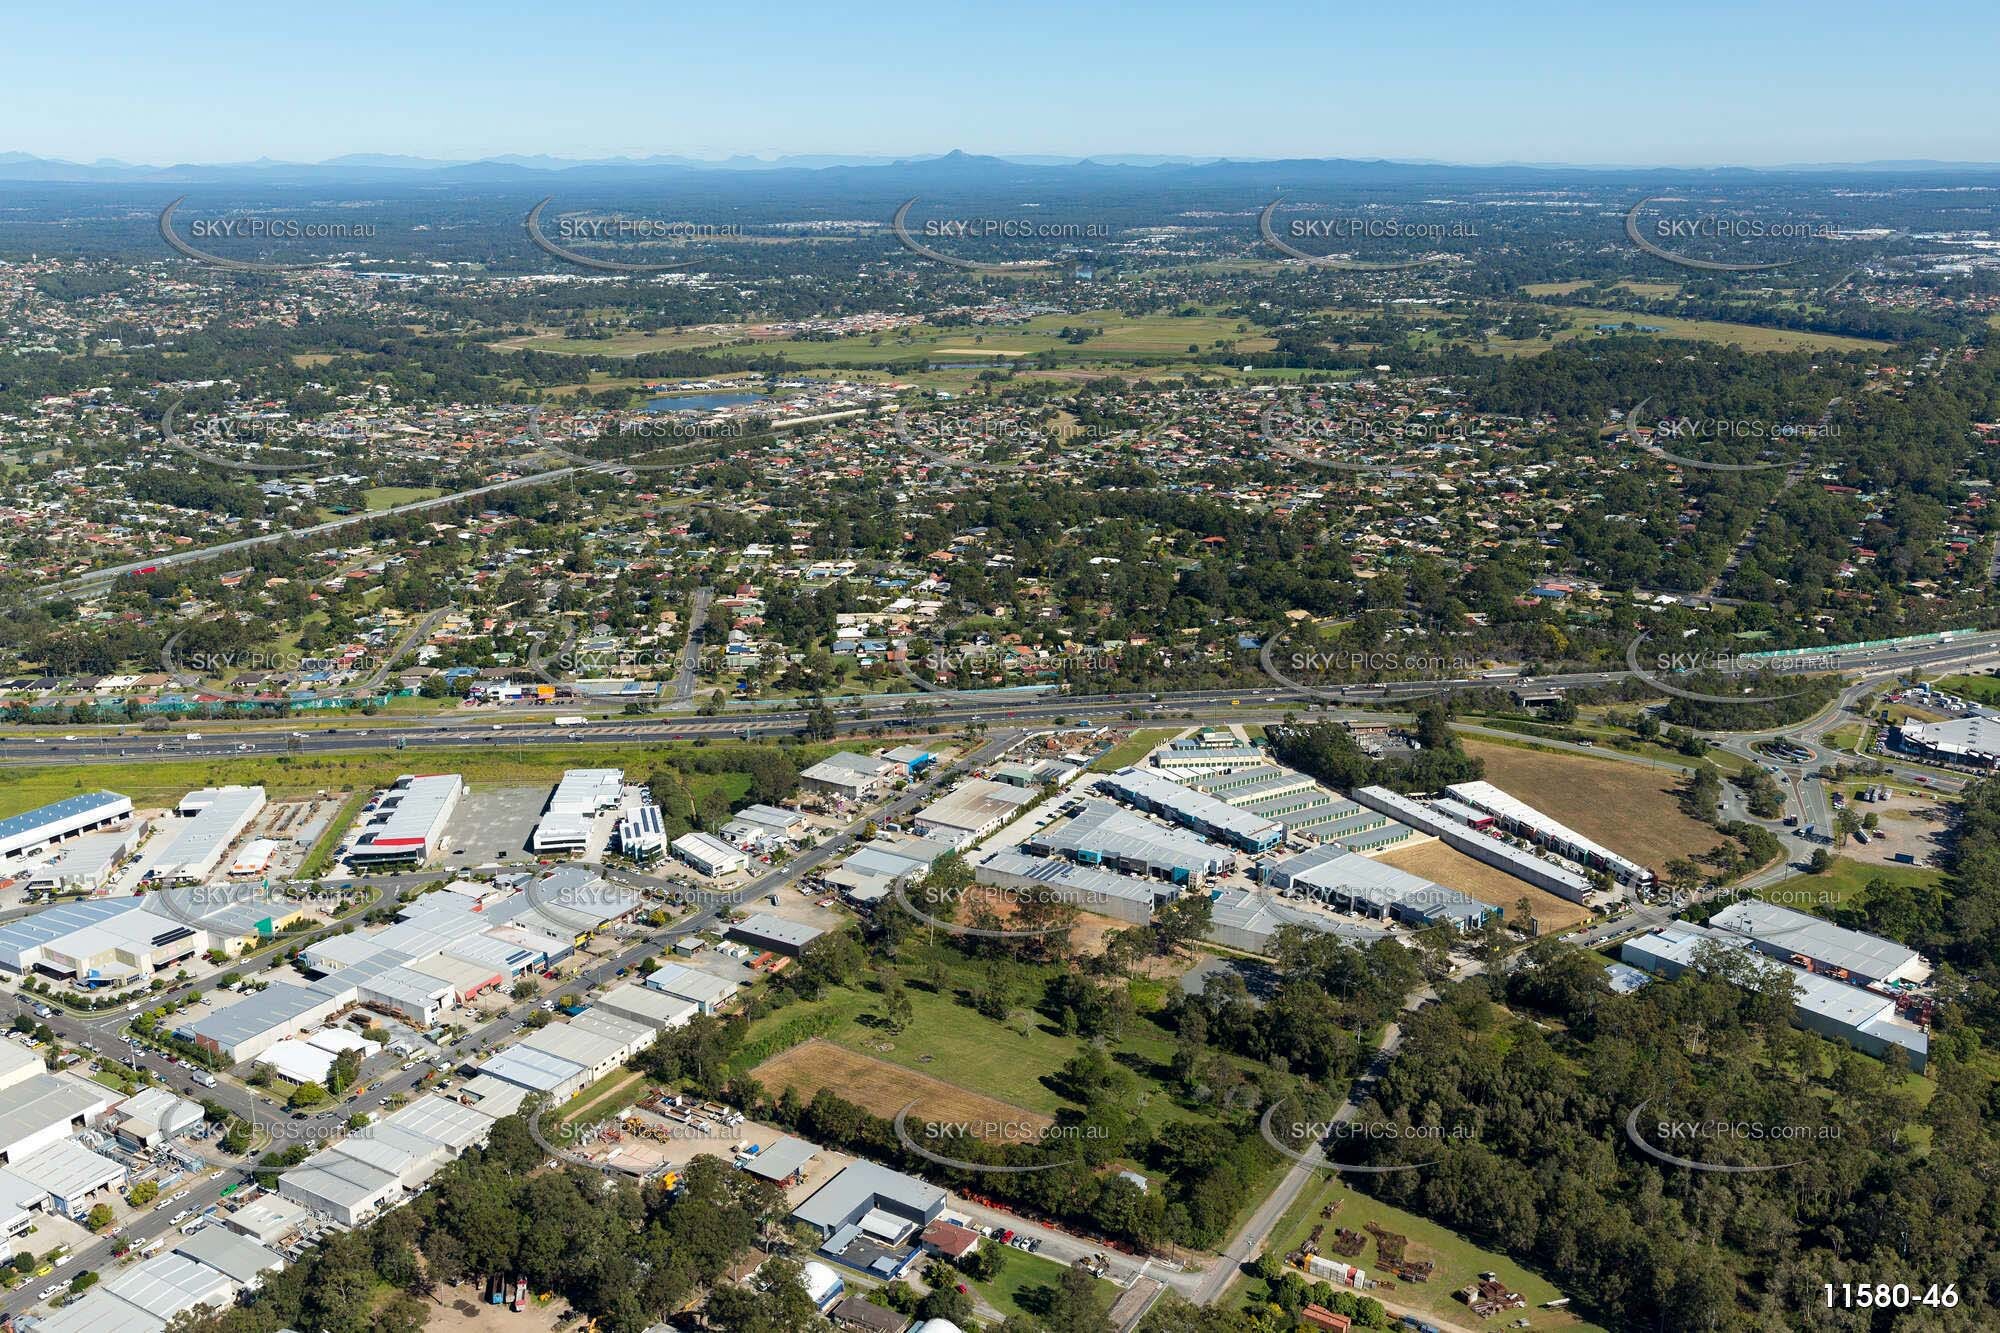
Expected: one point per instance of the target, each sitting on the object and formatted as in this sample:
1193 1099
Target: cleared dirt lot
1455 870
461 1310
885 1089
1630 808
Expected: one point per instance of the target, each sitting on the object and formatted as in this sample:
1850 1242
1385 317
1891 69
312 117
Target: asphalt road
221 738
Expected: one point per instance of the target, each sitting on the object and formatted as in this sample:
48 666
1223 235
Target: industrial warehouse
970 811
1205 814
1818 945
356 1177
406 823
1972 740
215 817
111 941
1875 1015
1523 820
1354 883
1441 819
444 949
32 831
581 796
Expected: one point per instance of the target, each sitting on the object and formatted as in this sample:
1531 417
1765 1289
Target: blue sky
1679 84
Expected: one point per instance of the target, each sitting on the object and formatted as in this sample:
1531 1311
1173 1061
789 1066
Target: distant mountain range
511 166
519 169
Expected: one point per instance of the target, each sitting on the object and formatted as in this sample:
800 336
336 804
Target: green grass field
1458 1260
1582 321
1150 336
1132 749
1031 1279
1984 689
629 343
321 855
166 780
950 1041
1844 878
387 497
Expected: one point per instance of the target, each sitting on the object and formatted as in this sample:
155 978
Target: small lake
702 402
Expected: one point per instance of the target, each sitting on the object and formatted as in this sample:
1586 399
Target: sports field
885 1089
1455 870
1630 808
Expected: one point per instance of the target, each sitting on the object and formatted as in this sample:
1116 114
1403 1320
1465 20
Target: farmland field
1630 808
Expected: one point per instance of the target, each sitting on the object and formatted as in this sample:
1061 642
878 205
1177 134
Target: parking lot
493 825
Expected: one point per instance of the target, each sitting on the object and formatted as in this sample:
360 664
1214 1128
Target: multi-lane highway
471 725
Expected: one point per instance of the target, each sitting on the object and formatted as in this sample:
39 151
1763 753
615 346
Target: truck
571 720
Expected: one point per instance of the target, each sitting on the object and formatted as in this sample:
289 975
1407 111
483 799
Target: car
180 1217
47 1292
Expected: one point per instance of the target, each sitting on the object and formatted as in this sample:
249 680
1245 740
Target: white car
47 1292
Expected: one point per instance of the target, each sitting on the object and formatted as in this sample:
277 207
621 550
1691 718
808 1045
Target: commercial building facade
32 831
407 825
